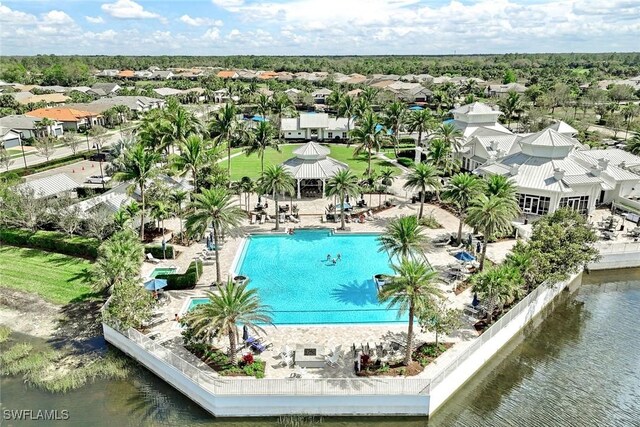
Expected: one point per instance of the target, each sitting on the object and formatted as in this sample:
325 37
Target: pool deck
328 336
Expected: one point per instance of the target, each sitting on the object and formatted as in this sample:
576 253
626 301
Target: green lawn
57 278
250 166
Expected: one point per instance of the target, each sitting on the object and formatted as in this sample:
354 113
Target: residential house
9 138
25 98
295 95
503 89
315 126
108 73
161 75
320 96
126 74
142 74
83 89
227 74
284 76
54 89
103 89
469 118
70 118
29 127
355 79
167 91
267 75
137 104
244 75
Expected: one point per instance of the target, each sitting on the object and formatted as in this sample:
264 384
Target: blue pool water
292 276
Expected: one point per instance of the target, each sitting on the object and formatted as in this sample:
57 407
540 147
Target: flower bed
422 356
217 360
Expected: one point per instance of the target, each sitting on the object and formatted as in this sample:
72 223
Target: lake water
578 367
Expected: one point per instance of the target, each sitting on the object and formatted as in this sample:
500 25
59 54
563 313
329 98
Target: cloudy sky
316 27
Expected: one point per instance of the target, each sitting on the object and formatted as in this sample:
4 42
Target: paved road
34 158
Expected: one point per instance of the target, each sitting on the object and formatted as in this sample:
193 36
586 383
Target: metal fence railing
218 385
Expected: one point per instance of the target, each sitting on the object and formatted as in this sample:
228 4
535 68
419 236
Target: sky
317 27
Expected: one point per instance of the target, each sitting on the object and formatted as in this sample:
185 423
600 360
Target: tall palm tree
178 198
510 104
213 207
439 154
263 137
347 109
413 289
139 166
276 180
223 128
263 105
460 191
160 211
361 107
119 260
632 145
195 153
368 135
247 186
369 94
122 111
342 184
491 215
281 106
182 123
628 112
404 237
501 186
423 177
496 286
231 306
394 116
450 134
386 179
420 121
335 99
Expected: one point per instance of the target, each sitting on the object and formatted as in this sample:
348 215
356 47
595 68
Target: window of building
530 204
344 135
330 134
578 203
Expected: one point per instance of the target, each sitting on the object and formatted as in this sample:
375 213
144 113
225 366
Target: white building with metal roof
316 126
311 167
51 186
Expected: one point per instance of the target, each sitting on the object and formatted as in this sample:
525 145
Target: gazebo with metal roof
311 167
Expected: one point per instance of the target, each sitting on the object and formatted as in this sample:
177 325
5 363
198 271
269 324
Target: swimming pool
162 270
293 276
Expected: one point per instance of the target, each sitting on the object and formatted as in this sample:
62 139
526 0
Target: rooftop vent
558 174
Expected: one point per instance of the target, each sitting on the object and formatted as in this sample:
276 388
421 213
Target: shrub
430 222
183 281
52 241
63 161
156 251
407 163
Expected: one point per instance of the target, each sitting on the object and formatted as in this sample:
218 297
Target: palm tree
231 306
413 289
120 219
369 94
160 211
181 124
247 186
386 179
282 105
422 122
361 106
194 155
178 197
122 111
263 137
335 99
139 166
223 127
276 180
263 105
347 109
632 145
368 135
404 238
511 104
214 206
460 191
394 116
628 112
491 215
439 154
342 184
450 134
497 286
423 177
119 260
501 186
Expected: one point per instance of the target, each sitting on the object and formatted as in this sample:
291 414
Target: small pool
294 277
162 270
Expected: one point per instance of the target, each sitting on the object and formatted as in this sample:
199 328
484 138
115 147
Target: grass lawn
250 166
57 278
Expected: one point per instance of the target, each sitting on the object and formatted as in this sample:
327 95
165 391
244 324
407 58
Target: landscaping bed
217 360
422 356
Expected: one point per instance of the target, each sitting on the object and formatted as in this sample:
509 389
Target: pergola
311 163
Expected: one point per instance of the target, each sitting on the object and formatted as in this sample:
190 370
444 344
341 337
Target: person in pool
333 261
328 257
338 257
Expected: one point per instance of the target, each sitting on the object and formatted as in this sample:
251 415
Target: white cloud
199 22
15 16
57 17
128 9
94 19
212 34
228 4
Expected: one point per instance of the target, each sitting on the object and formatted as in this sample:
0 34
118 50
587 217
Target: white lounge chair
152 259
332 360
283 218
300 372
287 360
293 219
285 351
253 219
262 219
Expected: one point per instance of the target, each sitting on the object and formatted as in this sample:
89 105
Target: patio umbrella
464 256
155 284
416 108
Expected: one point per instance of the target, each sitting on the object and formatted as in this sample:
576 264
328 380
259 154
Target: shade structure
257 118
346 206
155 284
464 256
416 108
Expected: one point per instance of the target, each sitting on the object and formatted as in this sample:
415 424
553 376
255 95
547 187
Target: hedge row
52 241
183 281
156 251
30 170
405 162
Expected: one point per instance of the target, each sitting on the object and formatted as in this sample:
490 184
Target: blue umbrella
416 108
464 256
155 284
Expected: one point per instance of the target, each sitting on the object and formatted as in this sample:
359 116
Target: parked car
97 179
102 156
